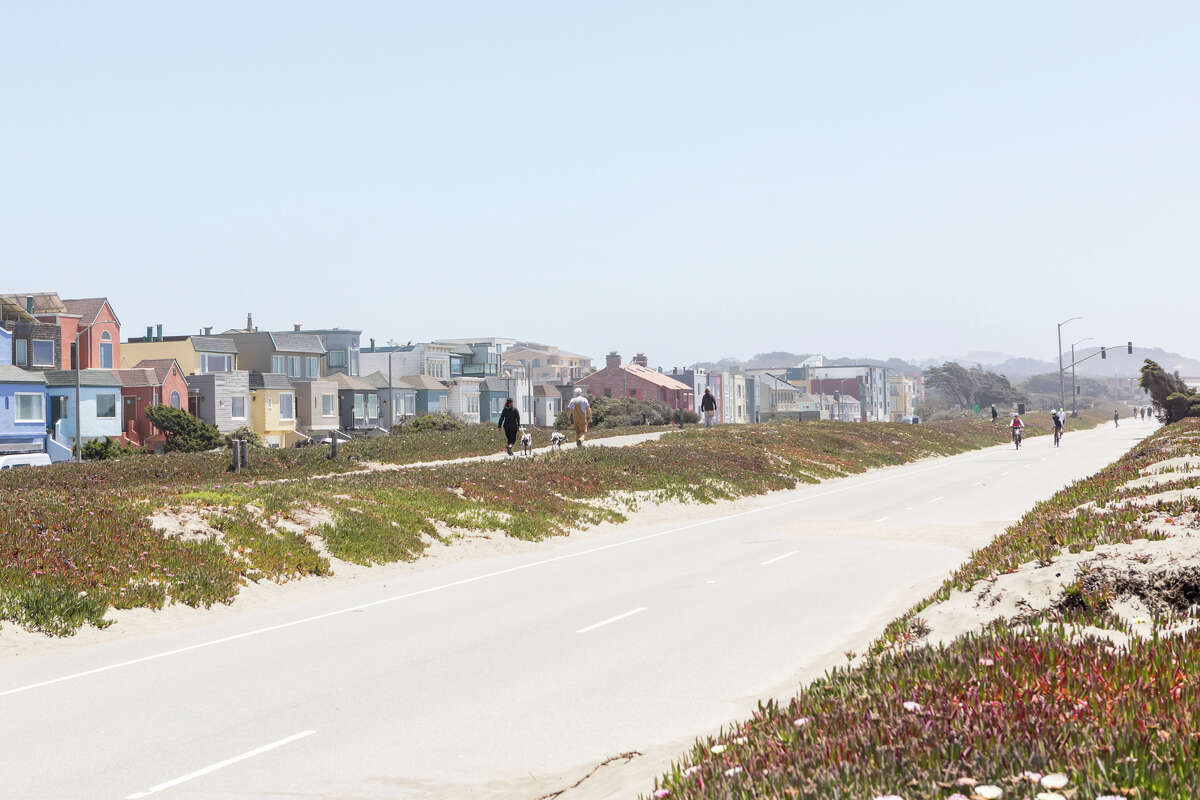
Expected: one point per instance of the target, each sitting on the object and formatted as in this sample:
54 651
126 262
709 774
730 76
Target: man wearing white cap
579 414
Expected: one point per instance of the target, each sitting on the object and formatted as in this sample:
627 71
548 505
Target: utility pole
1062 389
1074 390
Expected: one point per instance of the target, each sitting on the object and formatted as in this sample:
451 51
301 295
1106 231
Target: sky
689 180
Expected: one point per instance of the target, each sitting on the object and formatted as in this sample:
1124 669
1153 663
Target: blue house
433 396
22 404
99 405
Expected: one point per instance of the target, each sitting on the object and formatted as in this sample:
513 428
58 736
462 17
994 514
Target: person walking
510 421
708 405
579 414
995 414
1116 418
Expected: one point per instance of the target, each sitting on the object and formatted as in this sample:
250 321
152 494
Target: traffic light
1020 408
1102 353
1129 348
1078 390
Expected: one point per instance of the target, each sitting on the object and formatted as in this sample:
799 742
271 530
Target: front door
58 410
130 415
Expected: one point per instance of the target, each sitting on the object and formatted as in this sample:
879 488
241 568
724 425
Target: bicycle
1057 434
1016 436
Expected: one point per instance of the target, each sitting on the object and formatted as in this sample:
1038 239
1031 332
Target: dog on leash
526 442
557 439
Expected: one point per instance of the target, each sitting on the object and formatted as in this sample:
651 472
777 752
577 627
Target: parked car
24 460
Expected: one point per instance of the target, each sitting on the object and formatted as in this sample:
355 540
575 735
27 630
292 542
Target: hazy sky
693 180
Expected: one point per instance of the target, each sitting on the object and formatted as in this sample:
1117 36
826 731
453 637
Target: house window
286 406
354 360
106 351
293 363
329 405
473 404
176 401
360 407
211 362
237 407
633 393
313 367
435 403
43 353
373 406
279 364
337 358
21 352
30 408
608 391
106 406
525 404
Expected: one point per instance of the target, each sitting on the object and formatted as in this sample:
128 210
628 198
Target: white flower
912 705
1055 780
799 722
986 662
889 797
1049 796
740 740
989 792
1032 777
729 773
717 748
965 782
692 770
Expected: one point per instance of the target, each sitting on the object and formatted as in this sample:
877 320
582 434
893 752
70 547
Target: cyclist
1017 428
1056 417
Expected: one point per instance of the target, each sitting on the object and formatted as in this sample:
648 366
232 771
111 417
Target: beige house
197 355
547 364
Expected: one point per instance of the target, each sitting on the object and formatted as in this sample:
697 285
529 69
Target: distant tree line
970 387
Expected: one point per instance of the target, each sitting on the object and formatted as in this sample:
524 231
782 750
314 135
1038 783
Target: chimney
641 360
296 327
208 330
158 333
612 360
29 303
149 333
249 322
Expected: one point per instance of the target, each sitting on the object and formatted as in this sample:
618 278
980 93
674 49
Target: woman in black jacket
510 420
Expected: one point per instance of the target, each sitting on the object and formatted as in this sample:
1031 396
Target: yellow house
197 355
273 409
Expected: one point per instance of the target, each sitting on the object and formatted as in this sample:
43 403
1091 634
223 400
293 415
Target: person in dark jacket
708 404
510 420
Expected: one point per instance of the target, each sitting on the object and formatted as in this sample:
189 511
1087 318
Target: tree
1171 397
970 387
183 432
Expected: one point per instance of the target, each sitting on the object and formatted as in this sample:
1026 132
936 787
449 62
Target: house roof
344 381
214 344
545 390
269 380
88 308
87 377
291 342
161 366
380 381
424 382
43 302
528 353
138 376
646 374
493 385
11 374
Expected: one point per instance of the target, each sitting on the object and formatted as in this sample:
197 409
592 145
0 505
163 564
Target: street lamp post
1062 388
1075 391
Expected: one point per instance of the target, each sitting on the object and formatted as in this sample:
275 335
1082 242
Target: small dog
526 442
557 439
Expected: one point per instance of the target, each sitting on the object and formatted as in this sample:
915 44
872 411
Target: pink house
100 343
636 380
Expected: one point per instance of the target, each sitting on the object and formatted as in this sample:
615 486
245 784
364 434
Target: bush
429 422
101 449
624 412
245 432
184 433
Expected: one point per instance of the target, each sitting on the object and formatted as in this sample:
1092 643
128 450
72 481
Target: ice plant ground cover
77 540
1042 707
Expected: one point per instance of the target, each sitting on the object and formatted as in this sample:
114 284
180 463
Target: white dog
557 439
526 442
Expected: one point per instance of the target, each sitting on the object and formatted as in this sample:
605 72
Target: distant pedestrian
995 414
708 405
1116 418
510 421
579 414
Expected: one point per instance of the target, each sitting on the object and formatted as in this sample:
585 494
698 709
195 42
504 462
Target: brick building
638 381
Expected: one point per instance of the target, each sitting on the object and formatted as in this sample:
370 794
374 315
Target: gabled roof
423 382
291 342
161 366
214 344
43 302
646 374
138 376
380 381
88 308
11 374
545 390
87 377
344 381
269 380
493 385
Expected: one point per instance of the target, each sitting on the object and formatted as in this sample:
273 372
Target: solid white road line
788 554
937 499
258 751
611 620
483 577
881 519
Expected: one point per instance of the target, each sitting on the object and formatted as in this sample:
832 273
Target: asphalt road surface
497 677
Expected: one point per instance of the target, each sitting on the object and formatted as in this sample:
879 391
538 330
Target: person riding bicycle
1017 427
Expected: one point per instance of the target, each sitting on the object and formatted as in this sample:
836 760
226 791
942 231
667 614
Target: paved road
496 677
